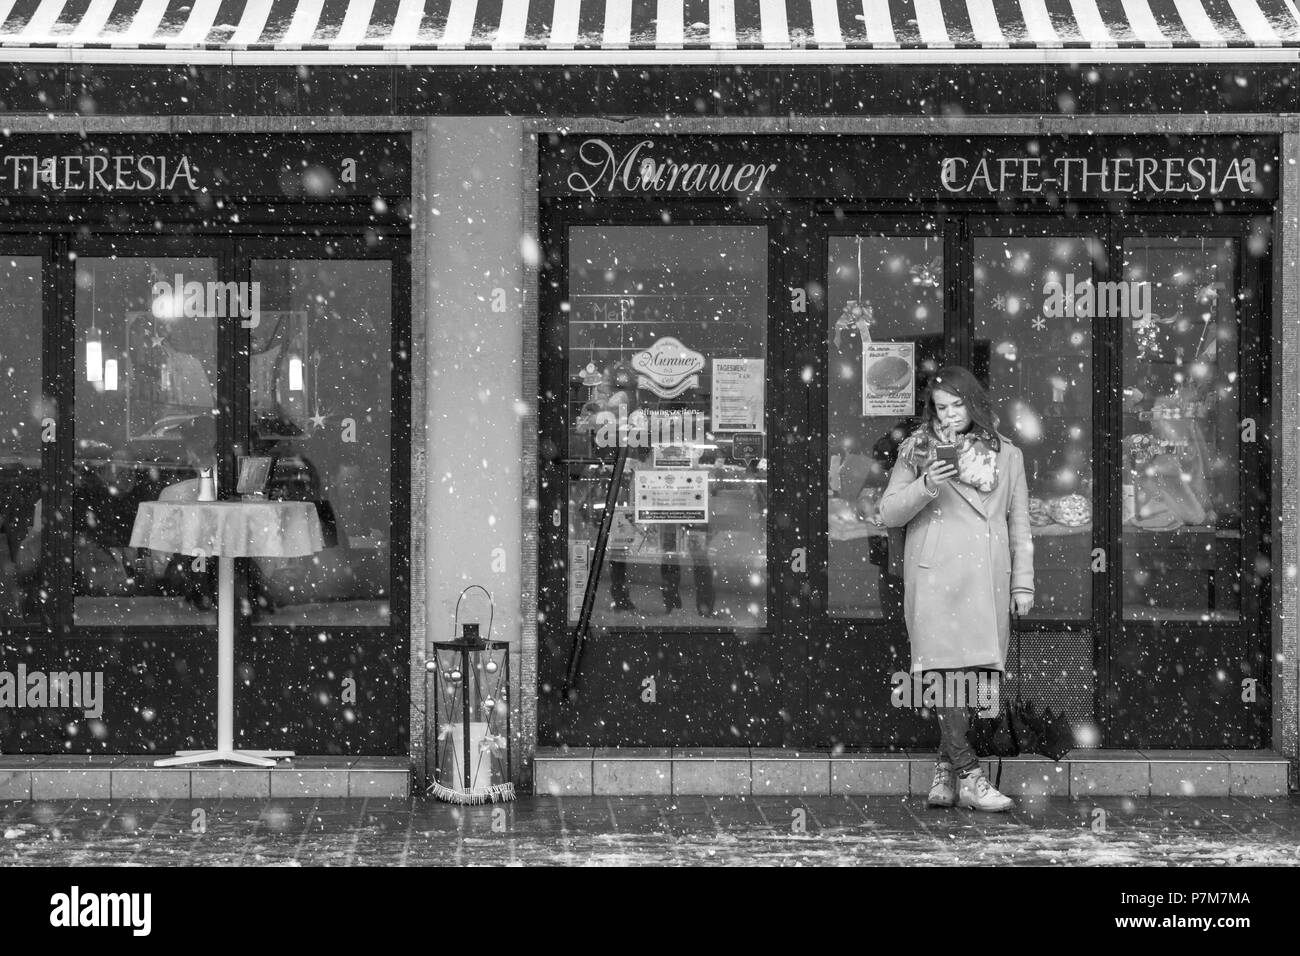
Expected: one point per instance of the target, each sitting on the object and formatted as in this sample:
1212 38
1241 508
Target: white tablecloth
231 529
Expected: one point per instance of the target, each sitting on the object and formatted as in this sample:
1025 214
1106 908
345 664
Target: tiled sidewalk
651 830
758 771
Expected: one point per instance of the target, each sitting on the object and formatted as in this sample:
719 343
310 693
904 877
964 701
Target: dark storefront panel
195 319
1155 614
684 91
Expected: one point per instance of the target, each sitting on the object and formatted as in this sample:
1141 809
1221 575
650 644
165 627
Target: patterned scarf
977 462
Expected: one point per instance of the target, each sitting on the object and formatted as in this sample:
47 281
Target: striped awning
647 31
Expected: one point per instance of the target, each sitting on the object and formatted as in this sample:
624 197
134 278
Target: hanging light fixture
94 345
295 373
110 375
94 355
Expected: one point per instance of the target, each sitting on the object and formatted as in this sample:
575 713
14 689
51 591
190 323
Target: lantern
467 718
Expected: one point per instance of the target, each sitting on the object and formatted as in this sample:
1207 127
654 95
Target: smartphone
946 451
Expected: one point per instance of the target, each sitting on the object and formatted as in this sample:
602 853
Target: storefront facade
484 241
764 290
175 303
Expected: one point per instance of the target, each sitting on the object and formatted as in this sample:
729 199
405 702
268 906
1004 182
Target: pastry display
1073 511
1038 513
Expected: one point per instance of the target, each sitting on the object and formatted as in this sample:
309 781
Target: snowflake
1039 323
1000 302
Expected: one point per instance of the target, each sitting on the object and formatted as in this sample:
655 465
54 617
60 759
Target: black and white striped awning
647 31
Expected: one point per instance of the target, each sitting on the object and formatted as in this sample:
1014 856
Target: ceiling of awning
486 32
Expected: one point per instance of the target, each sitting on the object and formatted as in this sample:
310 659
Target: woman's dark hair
956 380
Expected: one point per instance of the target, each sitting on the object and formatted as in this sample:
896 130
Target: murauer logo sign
635 171
668 368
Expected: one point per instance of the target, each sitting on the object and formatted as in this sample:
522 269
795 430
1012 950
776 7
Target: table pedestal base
225 750
251 758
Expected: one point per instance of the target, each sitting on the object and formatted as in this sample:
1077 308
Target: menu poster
738 389
888 378
672 497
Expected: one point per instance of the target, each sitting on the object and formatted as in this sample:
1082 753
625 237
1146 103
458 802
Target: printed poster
579 568
675 456
738 389
888 378
630 540
672 497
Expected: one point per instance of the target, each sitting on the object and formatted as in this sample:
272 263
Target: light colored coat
966 552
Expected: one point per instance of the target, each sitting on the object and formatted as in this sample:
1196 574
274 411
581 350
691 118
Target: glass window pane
320 405
883 289
668 328
1033 347
145 396
1181 497
21 411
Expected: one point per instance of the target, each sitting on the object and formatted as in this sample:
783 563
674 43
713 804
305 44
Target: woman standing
968 557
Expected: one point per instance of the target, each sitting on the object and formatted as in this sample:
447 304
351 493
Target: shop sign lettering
1086 299
1144 175
668 368
77 173
635 172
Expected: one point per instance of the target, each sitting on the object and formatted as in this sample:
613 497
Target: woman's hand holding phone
940 470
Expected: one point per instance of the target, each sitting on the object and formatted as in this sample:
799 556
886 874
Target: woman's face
951 410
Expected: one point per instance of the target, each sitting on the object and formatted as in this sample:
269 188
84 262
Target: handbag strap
1020 663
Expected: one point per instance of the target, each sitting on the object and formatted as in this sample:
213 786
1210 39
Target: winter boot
943 792
976 793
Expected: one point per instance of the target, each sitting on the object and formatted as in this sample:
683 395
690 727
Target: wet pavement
650 830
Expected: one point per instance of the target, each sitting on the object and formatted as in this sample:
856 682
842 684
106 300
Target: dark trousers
954 732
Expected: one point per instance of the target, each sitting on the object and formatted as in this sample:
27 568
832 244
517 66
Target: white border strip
1091 23
199 25
564 24
355 23
511 27
793 57
773 25
722 24
1198 23
984 23
1039 23
618 24
670 33
929 21
40 28
879 24
1253 21
406 25
826 24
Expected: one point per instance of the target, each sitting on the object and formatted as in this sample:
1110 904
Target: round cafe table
226 530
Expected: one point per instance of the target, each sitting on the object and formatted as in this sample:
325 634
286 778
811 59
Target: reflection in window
667 349
1181 496
320 405
145 397
884 291
21 411
1033 348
